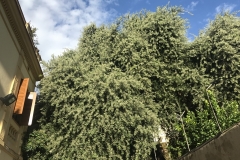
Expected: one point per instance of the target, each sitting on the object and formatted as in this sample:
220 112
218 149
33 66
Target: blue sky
202 10
60 22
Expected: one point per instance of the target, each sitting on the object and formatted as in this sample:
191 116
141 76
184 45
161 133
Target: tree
216 55
150 47
103 100
202 125
90 115
107 98
33 33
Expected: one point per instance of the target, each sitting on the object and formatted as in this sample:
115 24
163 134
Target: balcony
13 131
13 139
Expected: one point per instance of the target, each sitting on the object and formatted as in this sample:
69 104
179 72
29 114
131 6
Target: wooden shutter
21 96
26 117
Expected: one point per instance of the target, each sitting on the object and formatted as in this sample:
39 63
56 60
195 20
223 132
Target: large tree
102 100
107 98
216 54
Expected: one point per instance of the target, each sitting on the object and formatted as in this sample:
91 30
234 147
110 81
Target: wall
226 146
8 58
12 63
18 60
4 155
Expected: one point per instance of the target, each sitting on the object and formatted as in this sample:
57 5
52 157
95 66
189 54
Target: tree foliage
33 34
107 98
216 54
99 102
201 125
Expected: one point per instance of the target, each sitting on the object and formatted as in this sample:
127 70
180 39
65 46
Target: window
25 119
21 96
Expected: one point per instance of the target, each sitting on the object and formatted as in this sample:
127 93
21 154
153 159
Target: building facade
19 71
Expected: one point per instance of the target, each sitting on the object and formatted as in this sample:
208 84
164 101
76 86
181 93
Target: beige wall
4 155
8 59
12 64
8 65
224 147
19 59
11 58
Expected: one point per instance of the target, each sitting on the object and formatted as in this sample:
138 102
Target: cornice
17 21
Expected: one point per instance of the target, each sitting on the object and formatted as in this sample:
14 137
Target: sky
61 22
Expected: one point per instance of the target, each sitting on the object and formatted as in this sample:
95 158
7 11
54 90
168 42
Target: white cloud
192 6
112 2
136 1
60 22
218 10
224 8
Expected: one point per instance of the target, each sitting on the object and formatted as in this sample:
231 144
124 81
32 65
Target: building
19 71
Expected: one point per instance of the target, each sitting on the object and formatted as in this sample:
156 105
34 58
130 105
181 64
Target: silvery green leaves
107 98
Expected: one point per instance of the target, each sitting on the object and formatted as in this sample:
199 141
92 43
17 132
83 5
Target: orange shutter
26 117
21 96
